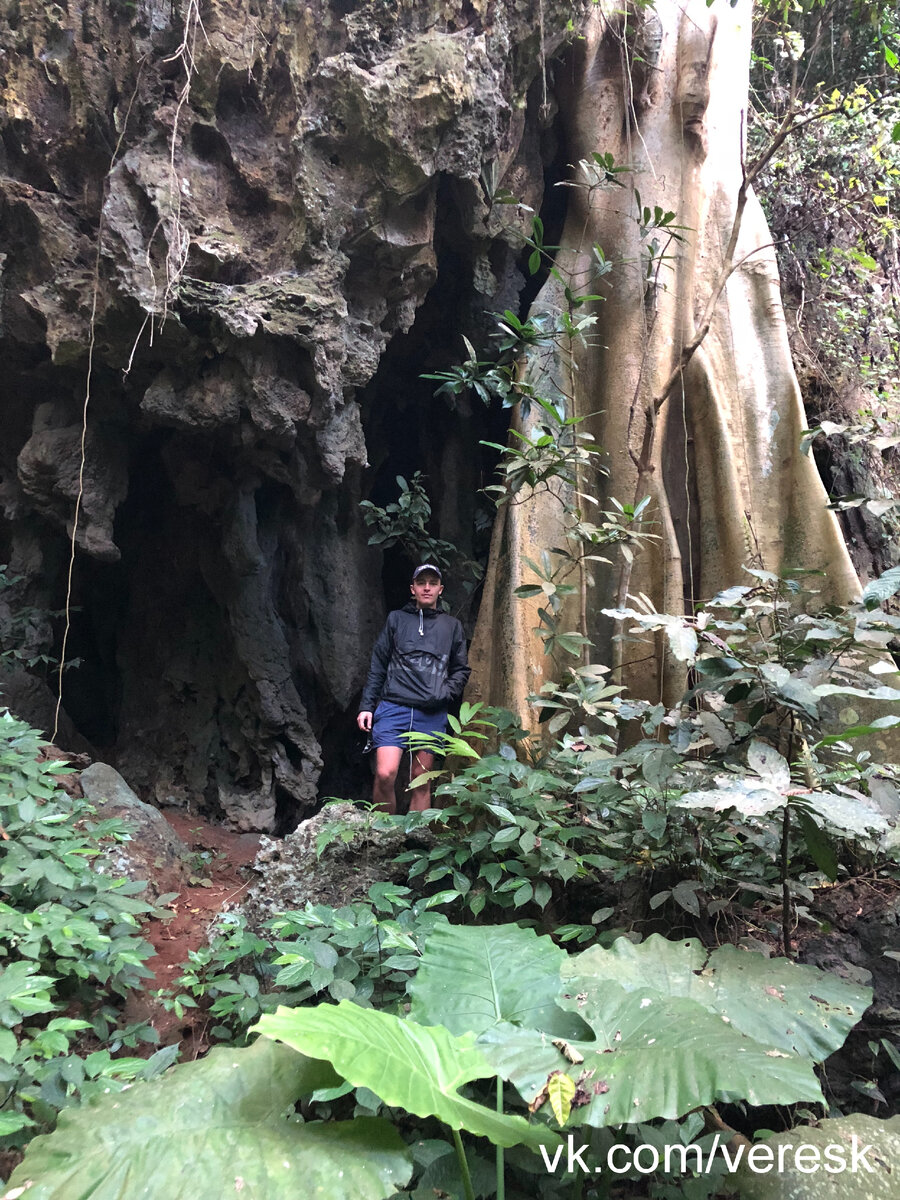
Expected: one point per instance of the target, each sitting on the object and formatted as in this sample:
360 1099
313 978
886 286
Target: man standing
419 667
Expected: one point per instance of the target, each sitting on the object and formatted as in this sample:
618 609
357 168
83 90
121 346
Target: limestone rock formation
214 219
155 852
294 873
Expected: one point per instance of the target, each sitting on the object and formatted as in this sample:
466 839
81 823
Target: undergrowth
72 949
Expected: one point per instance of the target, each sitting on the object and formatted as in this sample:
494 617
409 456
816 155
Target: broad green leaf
869 1177
560 1090
682 641
881 589
875 693
653 1056
819 846
769 766
782 1004
800 693
409 1066
741 794
774 673
223 1119
855 814
474 977
12 1122
685 894
856 731
9 1043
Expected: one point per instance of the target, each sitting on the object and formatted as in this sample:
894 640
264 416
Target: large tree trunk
718 452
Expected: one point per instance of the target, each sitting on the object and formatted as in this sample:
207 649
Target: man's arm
381 656
458 669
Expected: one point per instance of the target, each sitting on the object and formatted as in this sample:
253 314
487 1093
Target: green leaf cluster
70 939
604 1037
365 952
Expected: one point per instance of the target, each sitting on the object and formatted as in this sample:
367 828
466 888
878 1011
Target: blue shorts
393 721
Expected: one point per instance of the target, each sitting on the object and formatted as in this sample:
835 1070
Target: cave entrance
409 429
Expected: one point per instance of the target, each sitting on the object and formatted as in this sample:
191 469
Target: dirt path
222 875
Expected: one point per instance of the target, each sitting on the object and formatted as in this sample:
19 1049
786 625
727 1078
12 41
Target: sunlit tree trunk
715 444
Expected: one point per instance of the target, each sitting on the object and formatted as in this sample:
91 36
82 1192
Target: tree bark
687 380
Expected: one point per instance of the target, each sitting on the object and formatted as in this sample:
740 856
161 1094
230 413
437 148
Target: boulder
354 855
155 852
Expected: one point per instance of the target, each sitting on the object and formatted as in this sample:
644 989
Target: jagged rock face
213 224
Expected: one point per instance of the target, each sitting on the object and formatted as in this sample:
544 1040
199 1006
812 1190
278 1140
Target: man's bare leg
420 797
387 764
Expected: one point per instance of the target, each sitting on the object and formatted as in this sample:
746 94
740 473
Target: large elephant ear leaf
471 978
224 1119
667 967
653 1056
783 1005
794 1007
407 1065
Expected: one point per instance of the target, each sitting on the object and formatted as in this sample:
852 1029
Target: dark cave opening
408 427
101 602
91 682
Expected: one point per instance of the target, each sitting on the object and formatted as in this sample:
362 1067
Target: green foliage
830 194
365 951
71 942
473 979
770 789
655 1012
225 976
484 378
758 653
757 650
23 627
705 821
795 1009
505 839
873 435
415 1067
498 376
404 523
227 1121
677 1028
674 1027
551 454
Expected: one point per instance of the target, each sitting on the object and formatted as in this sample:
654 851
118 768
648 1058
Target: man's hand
364 721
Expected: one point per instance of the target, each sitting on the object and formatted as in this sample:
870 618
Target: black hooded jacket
419 660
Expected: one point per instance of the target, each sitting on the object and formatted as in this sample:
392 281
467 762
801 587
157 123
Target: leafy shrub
70 937
675 1026
365 952
509 836
747 797
405 522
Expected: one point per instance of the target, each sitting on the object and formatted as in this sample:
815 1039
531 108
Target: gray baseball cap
426 567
